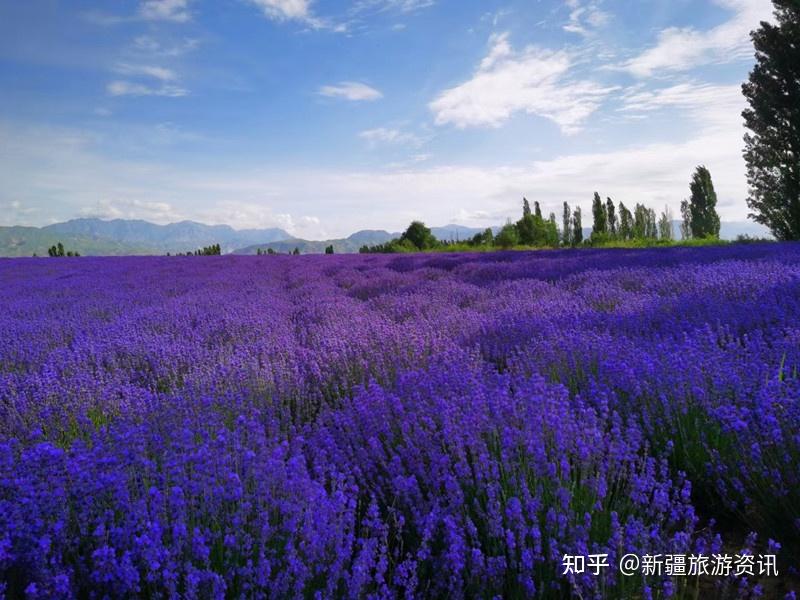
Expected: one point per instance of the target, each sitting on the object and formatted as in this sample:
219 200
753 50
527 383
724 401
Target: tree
702 205
329 249
612 218
686 221
651 232
60 249
553 235
508 236
639 230
600 225
665 225
772 149
566 223
625 222
526 208
577 227
419 235
296 251
537 210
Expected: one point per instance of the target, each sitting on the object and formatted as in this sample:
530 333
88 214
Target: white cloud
131 208
165 10
584 18
295 10
682 49
129 88
535 81
709 105
405 6
351 90
148 45
283 10
156 72
384 135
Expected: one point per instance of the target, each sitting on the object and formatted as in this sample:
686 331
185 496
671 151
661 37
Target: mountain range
97 237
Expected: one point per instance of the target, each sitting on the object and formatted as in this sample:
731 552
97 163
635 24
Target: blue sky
324 117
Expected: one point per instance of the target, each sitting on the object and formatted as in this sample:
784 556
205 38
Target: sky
329 116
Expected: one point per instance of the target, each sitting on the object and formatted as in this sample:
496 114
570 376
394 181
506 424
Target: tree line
612 223
57 251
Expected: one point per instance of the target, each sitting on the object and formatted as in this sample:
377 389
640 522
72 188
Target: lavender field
426 426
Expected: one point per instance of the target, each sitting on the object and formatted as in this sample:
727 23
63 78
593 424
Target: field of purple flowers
397 426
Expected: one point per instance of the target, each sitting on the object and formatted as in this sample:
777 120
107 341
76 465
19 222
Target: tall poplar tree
772 149
703 205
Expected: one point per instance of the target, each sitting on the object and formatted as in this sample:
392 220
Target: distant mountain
120 236
456 233
340 246
371 237
27 241
730 229
175 237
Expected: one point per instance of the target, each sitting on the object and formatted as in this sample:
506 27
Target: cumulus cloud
351 90
535 81
684 48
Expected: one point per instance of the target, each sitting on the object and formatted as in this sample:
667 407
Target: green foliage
57 251
296 252
625 223
702 205
665 225
508 237
611 217
213 250
686 221
419 235
600 217
772 148
577 227
566 222
329 249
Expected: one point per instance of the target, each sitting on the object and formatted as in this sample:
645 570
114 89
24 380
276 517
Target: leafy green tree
625 222
508 236
537 210
772 148
702 205
296 251
419 236
577 227
526 208
612 218
600 224
329 249
553 235
665 225
686 220
60 249
566 224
